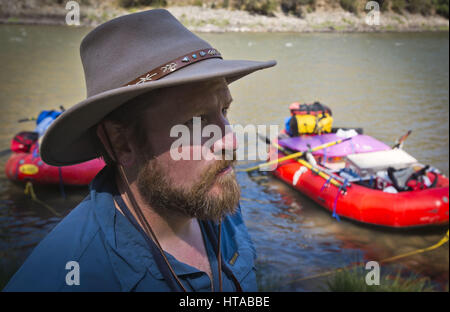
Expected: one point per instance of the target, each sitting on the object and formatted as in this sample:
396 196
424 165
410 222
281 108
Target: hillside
246 15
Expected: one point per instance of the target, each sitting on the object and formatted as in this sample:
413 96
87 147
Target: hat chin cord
146 226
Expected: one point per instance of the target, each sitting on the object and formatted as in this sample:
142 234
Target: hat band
176 64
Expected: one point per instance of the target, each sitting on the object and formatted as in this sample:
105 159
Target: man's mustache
226 154
221 165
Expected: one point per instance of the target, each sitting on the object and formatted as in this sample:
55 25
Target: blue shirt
114 256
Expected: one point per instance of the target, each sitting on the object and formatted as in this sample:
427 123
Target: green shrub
295 7
398 6
263 7
384 5
423 7
349 5
441 7
134 3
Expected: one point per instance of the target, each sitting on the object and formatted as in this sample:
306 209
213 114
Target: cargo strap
353 147
325 157
327 182
342 189
371 181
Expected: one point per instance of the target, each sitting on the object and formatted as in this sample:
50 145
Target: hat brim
72 139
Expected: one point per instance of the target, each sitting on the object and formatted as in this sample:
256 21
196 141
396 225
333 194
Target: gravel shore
201 19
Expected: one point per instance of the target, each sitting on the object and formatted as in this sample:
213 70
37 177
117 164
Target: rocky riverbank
204 19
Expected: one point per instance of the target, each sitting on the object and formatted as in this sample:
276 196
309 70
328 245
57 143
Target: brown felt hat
124 58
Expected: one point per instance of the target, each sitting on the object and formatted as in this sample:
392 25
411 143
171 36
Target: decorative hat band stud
169 67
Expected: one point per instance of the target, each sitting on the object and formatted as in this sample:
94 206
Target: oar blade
5 152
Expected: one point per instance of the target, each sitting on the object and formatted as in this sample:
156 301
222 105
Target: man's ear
116 143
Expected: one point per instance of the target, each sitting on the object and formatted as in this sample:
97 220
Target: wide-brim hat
124 58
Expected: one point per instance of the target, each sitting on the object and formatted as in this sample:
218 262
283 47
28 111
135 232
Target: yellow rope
418 251
29 190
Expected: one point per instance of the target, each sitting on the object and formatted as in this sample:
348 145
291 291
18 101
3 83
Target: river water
386 83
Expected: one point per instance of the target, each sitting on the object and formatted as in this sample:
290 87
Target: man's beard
158 191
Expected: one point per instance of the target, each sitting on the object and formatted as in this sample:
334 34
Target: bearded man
150 223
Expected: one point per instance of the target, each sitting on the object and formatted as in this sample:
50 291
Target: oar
321 172
5 152
295 155
269 142
399 143
27 119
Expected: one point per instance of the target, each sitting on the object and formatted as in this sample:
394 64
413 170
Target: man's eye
191 121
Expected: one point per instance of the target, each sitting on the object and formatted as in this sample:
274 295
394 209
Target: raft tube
363 204
23 167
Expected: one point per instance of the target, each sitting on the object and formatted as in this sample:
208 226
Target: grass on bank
354 280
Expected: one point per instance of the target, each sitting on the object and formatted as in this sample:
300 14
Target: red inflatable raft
421 206
25 165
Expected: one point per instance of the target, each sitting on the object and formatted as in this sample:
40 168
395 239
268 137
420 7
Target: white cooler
366 164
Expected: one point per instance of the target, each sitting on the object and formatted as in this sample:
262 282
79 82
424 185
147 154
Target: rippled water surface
385 83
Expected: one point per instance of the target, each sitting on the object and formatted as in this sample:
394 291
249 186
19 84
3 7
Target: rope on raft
29 190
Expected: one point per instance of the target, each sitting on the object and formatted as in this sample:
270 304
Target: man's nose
228 142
